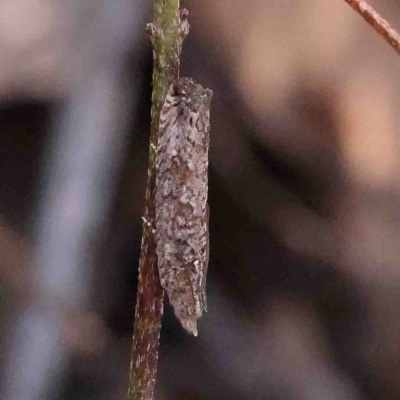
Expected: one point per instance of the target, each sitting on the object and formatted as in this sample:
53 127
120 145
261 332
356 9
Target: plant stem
167 32
378 23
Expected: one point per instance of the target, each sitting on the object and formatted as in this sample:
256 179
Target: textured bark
167 32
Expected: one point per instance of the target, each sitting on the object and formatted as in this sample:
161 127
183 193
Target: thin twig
167 33
379 24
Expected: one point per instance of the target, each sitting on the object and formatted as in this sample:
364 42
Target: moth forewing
181 223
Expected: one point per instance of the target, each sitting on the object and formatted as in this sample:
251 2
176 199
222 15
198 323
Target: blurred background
304 277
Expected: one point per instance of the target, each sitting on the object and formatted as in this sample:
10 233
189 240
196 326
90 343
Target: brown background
304 193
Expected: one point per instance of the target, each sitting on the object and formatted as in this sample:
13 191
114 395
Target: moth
181 221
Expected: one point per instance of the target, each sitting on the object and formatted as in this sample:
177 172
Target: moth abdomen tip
190 324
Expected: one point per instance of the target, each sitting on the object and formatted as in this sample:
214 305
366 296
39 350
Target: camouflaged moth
181 223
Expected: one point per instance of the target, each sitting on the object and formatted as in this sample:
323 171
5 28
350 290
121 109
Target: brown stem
379 24
167 32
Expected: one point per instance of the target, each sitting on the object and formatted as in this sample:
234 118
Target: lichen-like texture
181 223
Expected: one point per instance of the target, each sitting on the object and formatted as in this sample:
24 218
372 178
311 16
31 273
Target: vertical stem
167 32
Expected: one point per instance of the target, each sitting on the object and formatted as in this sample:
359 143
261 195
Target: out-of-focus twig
167 33
375 20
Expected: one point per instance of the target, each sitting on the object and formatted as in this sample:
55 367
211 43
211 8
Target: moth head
196 97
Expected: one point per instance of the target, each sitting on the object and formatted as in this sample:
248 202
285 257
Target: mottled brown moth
181 223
